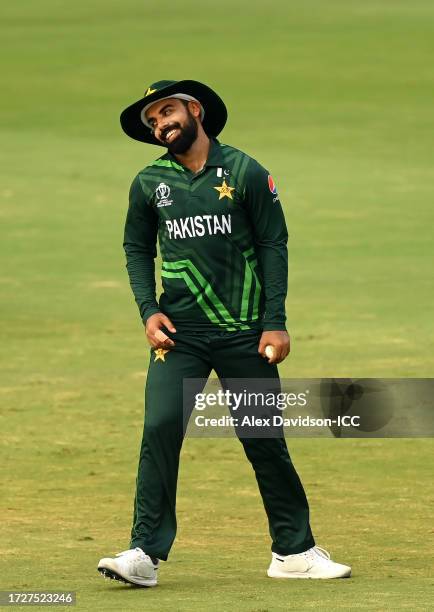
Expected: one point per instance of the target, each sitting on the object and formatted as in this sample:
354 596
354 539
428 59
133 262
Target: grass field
335 98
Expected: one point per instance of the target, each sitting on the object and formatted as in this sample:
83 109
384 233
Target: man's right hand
154 325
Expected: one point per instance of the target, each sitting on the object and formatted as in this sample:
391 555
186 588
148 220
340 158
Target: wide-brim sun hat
214 113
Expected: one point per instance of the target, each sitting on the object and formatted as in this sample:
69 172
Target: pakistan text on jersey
191 227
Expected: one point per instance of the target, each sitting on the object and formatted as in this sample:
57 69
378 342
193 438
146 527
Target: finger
274 358
282 358
287 348
278 354
155 343
163 339
261 347
160 335
285 351
168 323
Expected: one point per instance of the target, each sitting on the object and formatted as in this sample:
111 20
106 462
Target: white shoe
130 566
313 563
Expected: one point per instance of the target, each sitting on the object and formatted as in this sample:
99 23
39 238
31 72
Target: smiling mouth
171 134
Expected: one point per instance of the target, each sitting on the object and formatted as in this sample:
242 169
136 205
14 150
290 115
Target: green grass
336 100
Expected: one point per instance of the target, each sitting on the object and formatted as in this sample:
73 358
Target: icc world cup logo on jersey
162 193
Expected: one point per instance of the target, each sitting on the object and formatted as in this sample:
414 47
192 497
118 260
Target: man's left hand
280 342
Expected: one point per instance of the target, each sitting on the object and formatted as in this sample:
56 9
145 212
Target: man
222 237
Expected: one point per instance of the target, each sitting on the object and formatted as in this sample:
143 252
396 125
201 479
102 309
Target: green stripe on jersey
195 291
206 290
249 273
167 163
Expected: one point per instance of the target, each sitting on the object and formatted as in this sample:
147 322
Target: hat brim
213 121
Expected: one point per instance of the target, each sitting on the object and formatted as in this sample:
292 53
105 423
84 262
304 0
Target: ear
194 108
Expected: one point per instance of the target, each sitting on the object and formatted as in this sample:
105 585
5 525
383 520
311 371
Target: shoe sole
109 573
306 576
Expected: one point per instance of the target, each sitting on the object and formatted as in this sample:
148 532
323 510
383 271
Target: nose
162 122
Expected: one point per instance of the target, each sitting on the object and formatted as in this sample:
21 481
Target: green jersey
222 239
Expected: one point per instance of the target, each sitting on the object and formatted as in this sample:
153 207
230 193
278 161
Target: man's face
173 123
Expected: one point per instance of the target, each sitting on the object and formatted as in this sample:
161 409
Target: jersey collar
215 156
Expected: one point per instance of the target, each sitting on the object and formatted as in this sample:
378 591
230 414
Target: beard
188 134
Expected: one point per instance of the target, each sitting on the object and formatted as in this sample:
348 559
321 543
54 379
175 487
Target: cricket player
222 237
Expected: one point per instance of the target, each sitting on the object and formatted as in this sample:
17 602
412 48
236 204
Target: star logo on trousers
159 354
225 191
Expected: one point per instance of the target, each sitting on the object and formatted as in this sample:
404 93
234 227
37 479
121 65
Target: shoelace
322 552
130 551
317 555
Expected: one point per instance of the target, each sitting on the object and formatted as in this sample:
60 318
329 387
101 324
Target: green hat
214 113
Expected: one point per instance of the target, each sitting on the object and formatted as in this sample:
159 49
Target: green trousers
231 355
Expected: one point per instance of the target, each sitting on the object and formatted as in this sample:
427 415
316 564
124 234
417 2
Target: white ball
269 351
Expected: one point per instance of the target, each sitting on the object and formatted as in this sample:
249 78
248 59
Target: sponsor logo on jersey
272 187
199 225
162 194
